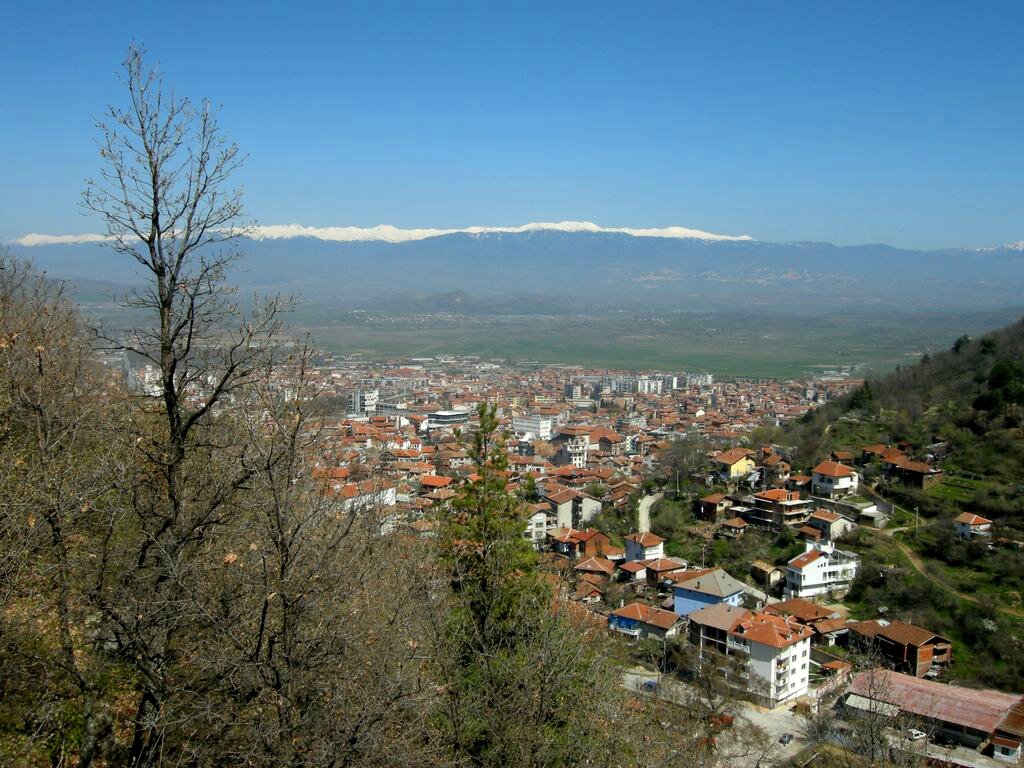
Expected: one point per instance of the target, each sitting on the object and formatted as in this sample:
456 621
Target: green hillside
961 410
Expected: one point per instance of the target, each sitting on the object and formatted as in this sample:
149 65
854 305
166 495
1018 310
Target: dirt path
920 567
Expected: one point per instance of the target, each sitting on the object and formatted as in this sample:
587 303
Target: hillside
964 408
962 411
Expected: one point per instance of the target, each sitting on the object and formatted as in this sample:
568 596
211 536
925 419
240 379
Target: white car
915 735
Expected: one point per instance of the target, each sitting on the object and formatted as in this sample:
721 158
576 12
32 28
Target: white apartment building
575 444
540 427
820 570
777 649
646 386
363 400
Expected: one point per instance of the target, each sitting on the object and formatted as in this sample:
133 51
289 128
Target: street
644 511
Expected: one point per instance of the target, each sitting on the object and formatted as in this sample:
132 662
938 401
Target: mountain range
576 265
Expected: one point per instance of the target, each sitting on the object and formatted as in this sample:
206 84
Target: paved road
644 511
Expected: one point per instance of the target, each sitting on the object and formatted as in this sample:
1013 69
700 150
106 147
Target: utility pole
917 519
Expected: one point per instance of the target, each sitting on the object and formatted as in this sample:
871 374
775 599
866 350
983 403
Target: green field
725 344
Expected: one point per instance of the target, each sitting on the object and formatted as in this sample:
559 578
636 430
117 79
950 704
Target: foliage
520 684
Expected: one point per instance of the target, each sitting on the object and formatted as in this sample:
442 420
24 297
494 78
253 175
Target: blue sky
866 122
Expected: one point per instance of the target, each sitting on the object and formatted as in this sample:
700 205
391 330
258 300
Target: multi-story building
447 419
574 443
363 401
820 570
774 650
574 390
778 508
535 424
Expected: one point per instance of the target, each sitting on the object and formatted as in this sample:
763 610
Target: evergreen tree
522 683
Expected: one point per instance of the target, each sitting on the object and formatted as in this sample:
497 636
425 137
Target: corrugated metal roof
981 710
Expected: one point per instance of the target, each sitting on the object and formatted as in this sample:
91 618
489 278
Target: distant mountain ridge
580 267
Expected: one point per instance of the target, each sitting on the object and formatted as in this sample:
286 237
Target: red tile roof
656 617
969 518
802 561
833 469
645 539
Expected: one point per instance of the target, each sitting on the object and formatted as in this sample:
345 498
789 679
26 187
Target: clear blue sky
867 122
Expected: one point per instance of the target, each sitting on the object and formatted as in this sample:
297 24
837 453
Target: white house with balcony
832 480
776 649
820 570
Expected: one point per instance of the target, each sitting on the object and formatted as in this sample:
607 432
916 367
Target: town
594 455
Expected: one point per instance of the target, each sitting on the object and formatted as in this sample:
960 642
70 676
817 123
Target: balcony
629 632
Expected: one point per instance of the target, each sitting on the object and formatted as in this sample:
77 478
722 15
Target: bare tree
162 193
320 661
51 483
874 730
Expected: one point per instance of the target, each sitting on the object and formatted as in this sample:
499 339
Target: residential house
644 546
561 502
660 569
820 570
368 494
969 525
537 525
633 571
713 507
808 533
777 508
607 441
766 574
704 587
731 529
842 457
776 649
597 565
573 543
885 455
833 480
589 592
917 474
906 647
776 470
799 483
643 621
831 524
734 464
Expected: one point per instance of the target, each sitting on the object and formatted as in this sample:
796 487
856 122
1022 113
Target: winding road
644 511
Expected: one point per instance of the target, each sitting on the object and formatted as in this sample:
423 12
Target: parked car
649 686
785 738
915 735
